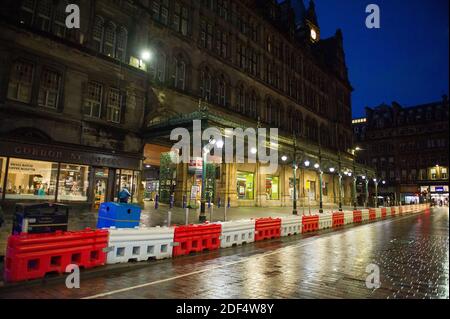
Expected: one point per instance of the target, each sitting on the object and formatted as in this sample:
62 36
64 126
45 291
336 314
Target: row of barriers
33 256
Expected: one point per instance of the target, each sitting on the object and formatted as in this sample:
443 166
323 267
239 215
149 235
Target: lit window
20 82
93 100
49 89
34 180
73 183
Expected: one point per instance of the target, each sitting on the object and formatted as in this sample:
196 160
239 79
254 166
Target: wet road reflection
412 253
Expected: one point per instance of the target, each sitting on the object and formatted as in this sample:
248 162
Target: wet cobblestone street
412 253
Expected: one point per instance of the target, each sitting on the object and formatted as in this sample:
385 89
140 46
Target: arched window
251 109
221 91
109 42
158 66
180 73
205 84
98 33
241 107
122 38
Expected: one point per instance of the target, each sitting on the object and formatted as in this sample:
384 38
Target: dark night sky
406 60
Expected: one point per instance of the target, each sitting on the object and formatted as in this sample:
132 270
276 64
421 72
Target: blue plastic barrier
119 215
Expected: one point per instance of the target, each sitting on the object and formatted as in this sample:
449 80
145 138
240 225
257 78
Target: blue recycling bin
119 215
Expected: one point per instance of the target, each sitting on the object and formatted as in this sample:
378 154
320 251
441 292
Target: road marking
113 292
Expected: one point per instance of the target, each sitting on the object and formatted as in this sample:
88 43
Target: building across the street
409 148
85 112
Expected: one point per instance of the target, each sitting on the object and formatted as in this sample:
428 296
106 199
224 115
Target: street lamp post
202 217
366 180
354 189
294 168
340 183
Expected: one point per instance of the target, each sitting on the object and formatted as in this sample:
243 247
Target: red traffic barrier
384 212
310 223
196 238
338 219
357 216
392 211
372 214
267 228
32 256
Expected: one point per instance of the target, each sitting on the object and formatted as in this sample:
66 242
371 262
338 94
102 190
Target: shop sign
60 154
195 165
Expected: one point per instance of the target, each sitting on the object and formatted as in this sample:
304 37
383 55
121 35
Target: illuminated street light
146 55
307 163
332 169
363 177
316 165
284 158
253 150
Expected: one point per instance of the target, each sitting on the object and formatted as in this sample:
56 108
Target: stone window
205 84
44 13
180 74
241 107
223 8
59 23
93 99
114 106
181 19
121 49
221 91
160 10
27 12
206 35
21 81
109 41
49 88
98 32
158 67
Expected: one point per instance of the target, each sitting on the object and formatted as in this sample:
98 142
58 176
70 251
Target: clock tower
306 22
311 23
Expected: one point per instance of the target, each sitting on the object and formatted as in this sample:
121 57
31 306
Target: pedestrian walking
124 195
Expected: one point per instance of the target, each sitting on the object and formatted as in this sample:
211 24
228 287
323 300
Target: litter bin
119 215
40 218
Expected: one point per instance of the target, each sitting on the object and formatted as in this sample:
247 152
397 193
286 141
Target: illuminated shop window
272 188
34 180
73 182
245 185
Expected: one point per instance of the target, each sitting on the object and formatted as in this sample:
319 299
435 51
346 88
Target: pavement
410 253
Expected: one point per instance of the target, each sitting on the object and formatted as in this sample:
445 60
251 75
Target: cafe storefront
69 174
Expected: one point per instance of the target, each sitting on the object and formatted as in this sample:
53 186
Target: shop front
69 174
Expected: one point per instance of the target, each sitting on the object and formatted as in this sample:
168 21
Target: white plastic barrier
364 215
396 210
348 217
378 213
139 244
291 225
325 220
238 232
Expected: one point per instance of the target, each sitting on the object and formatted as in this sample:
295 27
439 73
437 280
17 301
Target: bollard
186 209
172 200
228 205
218 202
156 201
169 218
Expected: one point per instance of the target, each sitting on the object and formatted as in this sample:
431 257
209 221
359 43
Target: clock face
313 34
